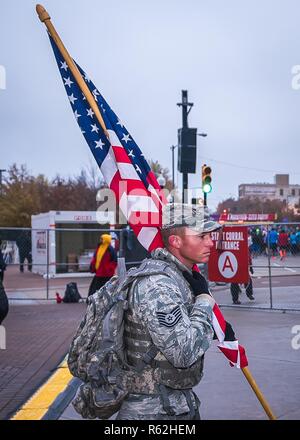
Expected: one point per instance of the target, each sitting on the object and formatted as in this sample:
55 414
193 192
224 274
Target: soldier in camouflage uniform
168 324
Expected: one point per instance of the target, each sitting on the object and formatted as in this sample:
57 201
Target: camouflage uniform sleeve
181 335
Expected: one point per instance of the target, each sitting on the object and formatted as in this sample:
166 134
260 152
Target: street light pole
204 193
173 164
186 108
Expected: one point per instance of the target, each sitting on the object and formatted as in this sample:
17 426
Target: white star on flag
90 113
126 138
72 98
76 114
99 144
120 123
94 128
130 154
95 94
68 82
64 65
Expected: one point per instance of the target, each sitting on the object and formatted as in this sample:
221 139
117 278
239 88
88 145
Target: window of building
281 192
293 192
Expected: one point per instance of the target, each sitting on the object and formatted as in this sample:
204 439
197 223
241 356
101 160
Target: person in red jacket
283 242
103 264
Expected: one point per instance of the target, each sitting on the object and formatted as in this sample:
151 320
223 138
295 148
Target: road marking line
37 405
291 270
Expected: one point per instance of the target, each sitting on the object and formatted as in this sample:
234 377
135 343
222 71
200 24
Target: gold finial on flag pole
45 18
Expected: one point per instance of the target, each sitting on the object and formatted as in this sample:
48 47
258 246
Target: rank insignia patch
169 319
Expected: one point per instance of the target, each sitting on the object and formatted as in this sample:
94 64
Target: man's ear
175 241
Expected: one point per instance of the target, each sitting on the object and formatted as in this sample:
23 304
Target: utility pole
186 108
173 169
1 172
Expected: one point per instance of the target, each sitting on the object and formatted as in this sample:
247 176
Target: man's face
195 247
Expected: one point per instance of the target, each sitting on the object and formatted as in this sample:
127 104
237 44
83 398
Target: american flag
228 344
120 160
129 176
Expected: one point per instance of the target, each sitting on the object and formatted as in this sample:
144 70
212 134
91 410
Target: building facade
281 190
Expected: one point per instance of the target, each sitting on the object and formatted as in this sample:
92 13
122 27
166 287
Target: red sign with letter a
228 261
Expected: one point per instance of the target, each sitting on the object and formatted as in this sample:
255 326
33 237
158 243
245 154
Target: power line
241 166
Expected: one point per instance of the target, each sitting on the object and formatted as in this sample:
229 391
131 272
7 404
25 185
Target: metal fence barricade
275 252
41 262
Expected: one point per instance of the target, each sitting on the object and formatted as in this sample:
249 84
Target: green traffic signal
206 188
206 179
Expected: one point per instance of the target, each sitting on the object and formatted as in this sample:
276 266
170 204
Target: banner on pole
229 256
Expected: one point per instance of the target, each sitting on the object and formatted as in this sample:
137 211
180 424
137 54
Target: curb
51 398
62 400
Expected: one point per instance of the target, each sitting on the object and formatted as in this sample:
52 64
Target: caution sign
228 261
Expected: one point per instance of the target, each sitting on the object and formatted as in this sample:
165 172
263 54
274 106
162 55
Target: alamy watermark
144 206
2 78
296 339
2 338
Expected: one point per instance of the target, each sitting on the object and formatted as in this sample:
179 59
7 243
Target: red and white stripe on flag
234 352
141 206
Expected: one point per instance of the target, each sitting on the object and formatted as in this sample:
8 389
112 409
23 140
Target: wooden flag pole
45 18
258 393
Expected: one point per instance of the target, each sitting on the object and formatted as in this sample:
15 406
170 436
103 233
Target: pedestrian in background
235 288
293 242
3 303
103 264
272 240
283 242
2 264
24 245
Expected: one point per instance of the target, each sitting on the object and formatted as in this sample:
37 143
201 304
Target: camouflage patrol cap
195 217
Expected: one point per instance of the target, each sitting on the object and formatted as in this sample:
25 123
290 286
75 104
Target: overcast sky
234 57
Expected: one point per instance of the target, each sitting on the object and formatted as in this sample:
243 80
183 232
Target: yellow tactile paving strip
37 406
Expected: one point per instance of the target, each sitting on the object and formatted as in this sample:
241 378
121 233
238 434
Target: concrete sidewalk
275 365
30 286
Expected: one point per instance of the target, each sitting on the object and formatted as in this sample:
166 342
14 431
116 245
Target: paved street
224 391
39 333
288 266
38 337
274 364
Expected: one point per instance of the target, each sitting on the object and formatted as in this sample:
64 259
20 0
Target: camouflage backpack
98 359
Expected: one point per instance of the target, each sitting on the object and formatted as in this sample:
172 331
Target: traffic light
206 179
187 150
